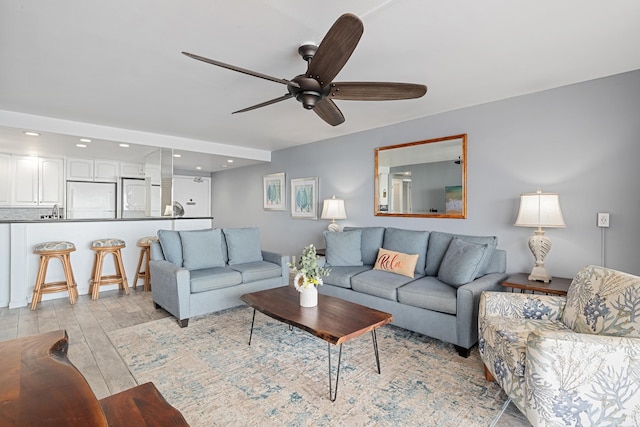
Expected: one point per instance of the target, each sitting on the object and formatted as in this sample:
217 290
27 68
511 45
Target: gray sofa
196 272
441 299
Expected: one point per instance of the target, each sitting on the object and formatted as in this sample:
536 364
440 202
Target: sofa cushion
201 249
257 270
341 276
439 243
243 245
343 249
461 262
372 238
396 262
429 293
379 283
207 279
408 242
171 246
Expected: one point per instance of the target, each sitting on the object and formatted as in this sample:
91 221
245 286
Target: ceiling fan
316 89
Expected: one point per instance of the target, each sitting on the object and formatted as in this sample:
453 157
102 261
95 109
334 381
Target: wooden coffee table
333 319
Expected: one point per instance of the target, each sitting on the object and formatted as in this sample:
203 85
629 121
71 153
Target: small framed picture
304 198
273 192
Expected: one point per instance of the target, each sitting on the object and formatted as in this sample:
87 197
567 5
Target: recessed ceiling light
31 133
177 155
198 167
124 145
230 161
81 145
85 140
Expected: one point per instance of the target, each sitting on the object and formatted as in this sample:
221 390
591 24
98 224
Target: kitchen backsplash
26 213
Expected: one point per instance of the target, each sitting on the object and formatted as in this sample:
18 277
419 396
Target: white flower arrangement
309 273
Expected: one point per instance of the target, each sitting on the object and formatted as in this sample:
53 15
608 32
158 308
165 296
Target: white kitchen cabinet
37 181
80 169
5 175
92 170
25 181
106 171
132 170
51 182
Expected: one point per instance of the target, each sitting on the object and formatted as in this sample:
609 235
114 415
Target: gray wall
582 141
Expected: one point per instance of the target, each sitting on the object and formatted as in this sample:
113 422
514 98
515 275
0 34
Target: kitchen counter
19 265
151 218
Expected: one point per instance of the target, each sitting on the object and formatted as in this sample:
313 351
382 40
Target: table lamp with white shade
333 209
540 210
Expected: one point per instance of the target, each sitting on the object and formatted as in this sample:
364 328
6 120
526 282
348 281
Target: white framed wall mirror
424 179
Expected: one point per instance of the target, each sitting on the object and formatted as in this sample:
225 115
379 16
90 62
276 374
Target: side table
557 285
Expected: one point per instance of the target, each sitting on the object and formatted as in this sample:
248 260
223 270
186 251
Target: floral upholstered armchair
571 361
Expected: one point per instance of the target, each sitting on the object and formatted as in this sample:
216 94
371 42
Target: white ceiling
112 70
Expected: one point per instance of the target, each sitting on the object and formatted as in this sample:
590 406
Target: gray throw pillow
343 249
439 243
243 245
171 246
461 262
202 249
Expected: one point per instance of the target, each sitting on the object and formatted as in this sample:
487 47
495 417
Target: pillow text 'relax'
396 262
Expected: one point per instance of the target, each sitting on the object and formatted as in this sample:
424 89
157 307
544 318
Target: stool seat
103 247
145 255
54 246
107 243
147 241
61 251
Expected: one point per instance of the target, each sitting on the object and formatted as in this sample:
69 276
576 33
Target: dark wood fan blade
336 48
328 111
241 70
375 91
264 104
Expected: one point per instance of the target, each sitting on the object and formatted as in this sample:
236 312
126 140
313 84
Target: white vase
309 296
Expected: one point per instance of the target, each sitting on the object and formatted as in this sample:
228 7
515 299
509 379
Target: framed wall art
273 192
304 198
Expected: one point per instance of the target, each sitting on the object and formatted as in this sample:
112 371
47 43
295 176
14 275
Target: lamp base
540 274
334 227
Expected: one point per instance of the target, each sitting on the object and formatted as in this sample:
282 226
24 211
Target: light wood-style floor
87 323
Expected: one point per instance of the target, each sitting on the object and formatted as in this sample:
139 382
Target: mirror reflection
422 179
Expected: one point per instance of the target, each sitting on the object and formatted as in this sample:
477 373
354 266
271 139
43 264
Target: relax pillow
171 246
201 249
396 262
461 262
243 245
343 249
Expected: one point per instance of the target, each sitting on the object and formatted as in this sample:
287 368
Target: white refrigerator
91 200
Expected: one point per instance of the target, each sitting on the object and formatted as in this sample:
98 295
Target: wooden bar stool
103 247
61 251
145 256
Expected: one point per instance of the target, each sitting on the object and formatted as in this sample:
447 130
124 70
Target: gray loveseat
196 272
441 299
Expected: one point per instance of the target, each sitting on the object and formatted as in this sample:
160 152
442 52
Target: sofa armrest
522 306
171 287
582 379
281 260
467 302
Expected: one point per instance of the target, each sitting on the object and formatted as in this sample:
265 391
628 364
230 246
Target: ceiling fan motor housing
309 93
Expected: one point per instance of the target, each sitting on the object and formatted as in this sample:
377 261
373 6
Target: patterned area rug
213 377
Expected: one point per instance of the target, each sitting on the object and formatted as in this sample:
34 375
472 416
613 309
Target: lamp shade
333 209
540 210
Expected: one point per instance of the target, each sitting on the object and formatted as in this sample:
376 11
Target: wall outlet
603 219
